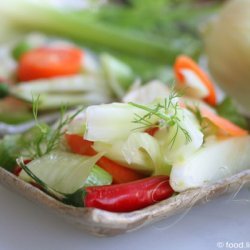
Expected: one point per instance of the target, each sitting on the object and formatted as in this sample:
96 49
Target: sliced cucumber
98 177
66 172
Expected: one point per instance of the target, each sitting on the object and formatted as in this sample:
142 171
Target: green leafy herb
228 110
47 138
167 112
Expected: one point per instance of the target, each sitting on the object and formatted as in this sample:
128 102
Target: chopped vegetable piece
124 197
184 62
49 62
55 92
64 172
119 173
140 152
111 122
214 161
223 124
183 146
79 145
98 177
129 196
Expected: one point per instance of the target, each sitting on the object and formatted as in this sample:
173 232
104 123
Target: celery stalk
83 29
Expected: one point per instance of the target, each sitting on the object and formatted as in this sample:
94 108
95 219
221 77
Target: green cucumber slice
98 177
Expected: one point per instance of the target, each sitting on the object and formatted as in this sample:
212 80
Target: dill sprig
167 112
46 139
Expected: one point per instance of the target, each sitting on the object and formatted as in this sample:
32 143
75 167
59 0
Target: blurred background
142 38
146 34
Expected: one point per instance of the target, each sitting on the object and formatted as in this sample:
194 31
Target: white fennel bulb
227 43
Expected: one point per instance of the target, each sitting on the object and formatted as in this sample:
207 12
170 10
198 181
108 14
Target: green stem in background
48 19
146 34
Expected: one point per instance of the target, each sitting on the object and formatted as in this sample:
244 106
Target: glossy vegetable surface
129 196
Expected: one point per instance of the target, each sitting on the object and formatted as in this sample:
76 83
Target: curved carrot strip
119 173
224 124
184 62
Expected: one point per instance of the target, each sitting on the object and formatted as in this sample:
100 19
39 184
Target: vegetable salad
122 157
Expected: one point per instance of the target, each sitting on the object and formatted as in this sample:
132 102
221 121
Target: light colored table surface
25 226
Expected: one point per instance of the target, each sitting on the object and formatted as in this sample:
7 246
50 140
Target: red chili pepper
131 196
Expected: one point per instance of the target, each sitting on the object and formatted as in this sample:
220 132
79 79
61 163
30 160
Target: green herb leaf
47 138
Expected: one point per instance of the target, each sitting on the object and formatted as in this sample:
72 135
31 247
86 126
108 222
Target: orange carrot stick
223 124
184 62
